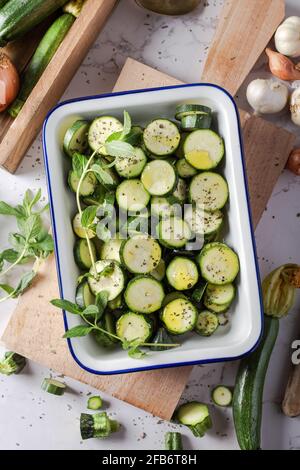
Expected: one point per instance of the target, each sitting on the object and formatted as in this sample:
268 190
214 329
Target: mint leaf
66 305
114 136
10 255
101 302
32 227
31 200
88 216
126 125
117 148
136 353
102 175
107 271
133 137
8 289
46 245
6 209
17 241
78 331
91 310
24 283
79 162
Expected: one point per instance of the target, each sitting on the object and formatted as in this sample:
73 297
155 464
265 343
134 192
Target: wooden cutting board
35 330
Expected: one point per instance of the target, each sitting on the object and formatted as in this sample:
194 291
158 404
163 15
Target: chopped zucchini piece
12 363
75 139
203 148
132 166
144 294
100 129
79 230
218 263
134 327
161 137
209 191
108 277
131 195
173 441
140 254
207 323
182 273
84 296
82 253
219 295
98 425
159 177
53 386
222 396
173 232
94 403
196 416
179 316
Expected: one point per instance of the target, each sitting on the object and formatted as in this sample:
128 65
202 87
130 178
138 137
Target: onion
9 82
293 163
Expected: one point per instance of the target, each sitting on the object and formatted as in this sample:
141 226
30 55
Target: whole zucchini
248 391
19 16
41 58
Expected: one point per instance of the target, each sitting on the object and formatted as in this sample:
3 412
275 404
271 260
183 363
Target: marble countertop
33 419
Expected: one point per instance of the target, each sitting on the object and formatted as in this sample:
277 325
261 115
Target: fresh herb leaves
31 243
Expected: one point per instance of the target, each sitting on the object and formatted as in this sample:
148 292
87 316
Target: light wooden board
244 30
21 131
35 330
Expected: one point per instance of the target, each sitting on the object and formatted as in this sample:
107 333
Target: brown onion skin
10 77
293 163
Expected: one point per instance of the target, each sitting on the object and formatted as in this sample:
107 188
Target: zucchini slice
98 425
179 151
116 303
134 326
182 273
207 323
159 272
140 254
190 110
94 403
53 386
161 137
218 263
196 416
79 230
215 307
209 191
131 167
222 396
110 249
131 195
192 122
173 232
184 169
108 276
161 207
179 316
84 296
202 222
97 198
87 186
75 139
100 129
203 149
144 294
219 295
82 254
159 177
180 191
173 441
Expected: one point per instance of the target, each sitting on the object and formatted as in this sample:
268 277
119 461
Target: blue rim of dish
177 364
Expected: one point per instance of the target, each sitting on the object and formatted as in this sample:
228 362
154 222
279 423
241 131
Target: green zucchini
41 58
140 254
184 169
173 441
82 253
18 17
88 184
196 416
221 395
75 138
12 363
144 294
219 264
159 177
94 403
97 425
192 122
179 316
84 296
161 137
248 391
204 149
182 273
53 386
183 110
134 327
161 337
207 323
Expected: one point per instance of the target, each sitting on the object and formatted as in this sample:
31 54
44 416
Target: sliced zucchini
190 110
134 327
182 273
108 323
222 396
98 425
75 139
202 222
179 151
111 249
209 191
173 296
53 386
215 307
218 263
140 254
159 272
116 303
159 177
108 276
179 316
193 122
196 416
161 337
173 441
84 296
203 149
161 207
82 254
97 198
135 225
173 232
144 294
87 186
131 195
184 169
79 230
94 403
180 191
207 323
219 295
161 137
131 167
100 129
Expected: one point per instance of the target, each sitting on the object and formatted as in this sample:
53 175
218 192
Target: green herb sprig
31 243
91 316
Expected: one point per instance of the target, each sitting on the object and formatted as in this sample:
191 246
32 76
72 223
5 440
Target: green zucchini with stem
18 17
41 58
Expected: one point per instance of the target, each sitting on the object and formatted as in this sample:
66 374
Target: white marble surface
32 419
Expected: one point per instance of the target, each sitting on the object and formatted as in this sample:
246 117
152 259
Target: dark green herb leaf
10 255
126 125
24 283
45 245
117 148
114 136
102 175
17 241
101 302
6 209
79 162
32 227
8 289
66 305
133 137
30 200
136 353
91 310
77 331
88 216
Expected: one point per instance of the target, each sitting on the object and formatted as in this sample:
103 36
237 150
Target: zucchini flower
279 290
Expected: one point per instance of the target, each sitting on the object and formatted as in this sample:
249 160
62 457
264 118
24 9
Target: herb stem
17 260
173 345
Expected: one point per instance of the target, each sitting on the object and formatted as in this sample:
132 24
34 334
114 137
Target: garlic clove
281 66
287 37
295 106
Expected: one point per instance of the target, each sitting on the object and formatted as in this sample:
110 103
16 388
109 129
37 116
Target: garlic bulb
295 106
287 37
267 96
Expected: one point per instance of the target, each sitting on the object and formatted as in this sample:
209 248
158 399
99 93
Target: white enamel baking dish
243 331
